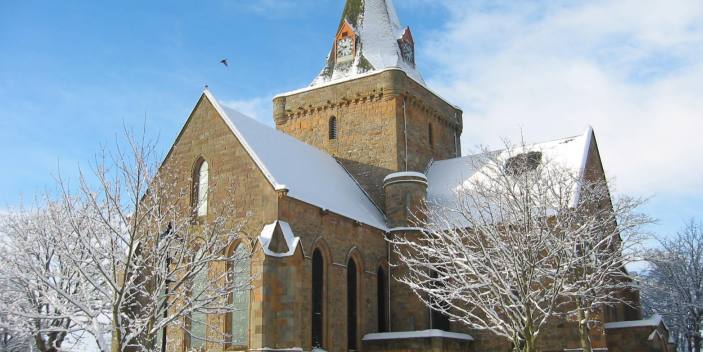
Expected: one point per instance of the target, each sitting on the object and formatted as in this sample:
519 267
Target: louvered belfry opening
333 128
430 137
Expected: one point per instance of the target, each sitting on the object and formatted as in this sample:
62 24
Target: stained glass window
198 319
240 272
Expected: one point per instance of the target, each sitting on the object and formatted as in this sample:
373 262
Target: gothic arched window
201 175
318 291
352 305
438 320
198 318
381 290
240 276
333 128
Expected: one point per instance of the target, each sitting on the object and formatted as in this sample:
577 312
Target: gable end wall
234 179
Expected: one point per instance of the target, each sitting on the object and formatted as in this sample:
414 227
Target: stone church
349 154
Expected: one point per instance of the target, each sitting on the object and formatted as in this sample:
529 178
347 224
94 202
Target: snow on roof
378 27
309 174
404 174
654 321
448 177
417 334
351 78
267 235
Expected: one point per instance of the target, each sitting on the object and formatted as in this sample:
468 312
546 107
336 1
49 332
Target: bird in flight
224 62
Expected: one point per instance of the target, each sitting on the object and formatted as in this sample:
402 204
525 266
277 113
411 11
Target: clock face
345 49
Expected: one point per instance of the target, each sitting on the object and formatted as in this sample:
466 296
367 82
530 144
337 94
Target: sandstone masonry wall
235 180
372 113
338 239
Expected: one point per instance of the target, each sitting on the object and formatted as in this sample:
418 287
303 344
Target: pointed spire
369 38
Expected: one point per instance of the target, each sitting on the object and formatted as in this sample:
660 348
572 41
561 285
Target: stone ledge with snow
422 340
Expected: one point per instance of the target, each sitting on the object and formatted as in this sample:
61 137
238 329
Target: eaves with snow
447 179
305 172
369 39
313 176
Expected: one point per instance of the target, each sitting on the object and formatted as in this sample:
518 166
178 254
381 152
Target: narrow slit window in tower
333 128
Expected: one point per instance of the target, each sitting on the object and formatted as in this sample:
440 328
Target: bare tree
15 335
143 257
12 340
32 260
525 239
661 300
674 283
606 236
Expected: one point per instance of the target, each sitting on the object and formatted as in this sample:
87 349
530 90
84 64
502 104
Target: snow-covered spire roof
380 43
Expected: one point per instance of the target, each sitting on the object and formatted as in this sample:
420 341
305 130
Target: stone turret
279 110
405 195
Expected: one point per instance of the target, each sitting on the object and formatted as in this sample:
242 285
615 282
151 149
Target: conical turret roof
378 44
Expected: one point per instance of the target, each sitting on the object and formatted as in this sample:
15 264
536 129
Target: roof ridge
277 186
355 204
589 130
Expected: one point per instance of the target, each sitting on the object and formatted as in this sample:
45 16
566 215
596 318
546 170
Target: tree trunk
697 342
529 340
117 338
530 344
50 345
584 331
697 333
693 335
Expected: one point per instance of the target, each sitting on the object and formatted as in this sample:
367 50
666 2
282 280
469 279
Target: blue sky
73 73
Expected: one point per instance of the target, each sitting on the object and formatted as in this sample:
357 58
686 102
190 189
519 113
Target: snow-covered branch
525 240
673 287
123 255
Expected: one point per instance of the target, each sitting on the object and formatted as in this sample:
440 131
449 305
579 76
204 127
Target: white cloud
633 69
259 108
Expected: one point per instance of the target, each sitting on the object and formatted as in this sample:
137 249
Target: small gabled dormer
407 46
345 44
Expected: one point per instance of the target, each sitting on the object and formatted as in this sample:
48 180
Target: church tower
369 107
